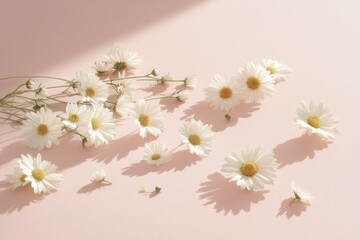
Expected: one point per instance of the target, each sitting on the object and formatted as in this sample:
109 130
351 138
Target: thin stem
72 130
57 100
61 86
21 109
12 114
8 119
56 78
173 150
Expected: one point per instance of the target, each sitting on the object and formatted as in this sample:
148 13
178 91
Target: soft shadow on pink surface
226 196
295 209
151 194
57 31
178 161
202 111
298 149
89 188
16 199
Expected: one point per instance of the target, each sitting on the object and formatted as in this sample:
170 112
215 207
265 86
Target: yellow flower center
74 118
225 92
155 156
120 66
42 129
90 92
248 169
314 121
271 69
144 120
95 123
253 83
22 178
194 139
38 174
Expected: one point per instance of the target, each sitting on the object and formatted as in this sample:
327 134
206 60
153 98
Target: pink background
318 39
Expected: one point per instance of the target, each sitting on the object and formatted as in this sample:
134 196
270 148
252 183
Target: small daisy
223 93
166 78
148 117
41 129
128 86
122 59
156 153
275 68
316 119
198 137
124 105
182 95
41 93
102 67
92 88
17 178
255 82
100 176
76 115
301 196
251 169
192 80
101 126
41 174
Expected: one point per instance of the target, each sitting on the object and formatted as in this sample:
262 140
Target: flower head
316 119
251 169
17 178
41 129
122 59
198 137
182 95
156 153
99 176
275 68
192 80
76 115
124 105
92 88
102 67
301 196
40 173
128 87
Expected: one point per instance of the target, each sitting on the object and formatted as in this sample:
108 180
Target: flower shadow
155 88
295 209
226 196
89 188
298 149
202 111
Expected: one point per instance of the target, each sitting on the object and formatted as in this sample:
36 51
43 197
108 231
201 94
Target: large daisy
124 105
76 115
250 169
275 68
198 137
223 93
41 174
101 126
92 88
148 117
122 59
156 153
301 196
316 119
16 178
255 82
41 129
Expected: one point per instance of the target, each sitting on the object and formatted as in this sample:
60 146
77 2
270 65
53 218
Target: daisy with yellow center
92 88
16 178
121 59
255 82
156 153
223 93
198 137
41 129
40 173
275 68
316 119
301 196
76 115
148 117
251 169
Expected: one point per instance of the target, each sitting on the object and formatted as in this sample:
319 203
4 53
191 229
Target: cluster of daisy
252 83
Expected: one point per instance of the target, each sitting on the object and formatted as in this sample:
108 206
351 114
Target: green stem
8 119
12 114
15 77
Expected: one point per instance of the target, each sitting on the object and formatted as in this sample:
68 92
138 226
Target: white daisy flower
41 129
92 88
251 169
76 115
316 119
182 95
156 153
192 80
102 67
301 196
255 82
122 59
41 93
124 105
166 78
198 137
148 117
128 87
223 93
41 174
99 176
275 68
16 178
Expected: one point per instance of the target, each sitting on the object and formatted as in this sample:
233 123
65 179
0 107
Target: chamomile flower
40 173
92 88
41 92
76 115
16 178
182 95
223 93
316 119
198 137
301 196
124 105
101 126
148 117
99 176
128 86
156 153
255 82
192 80
41 129
122 59
275 68
102 67
250 169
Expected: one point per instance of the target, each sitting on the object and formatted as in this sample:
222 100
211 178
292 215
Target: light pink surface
318 39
